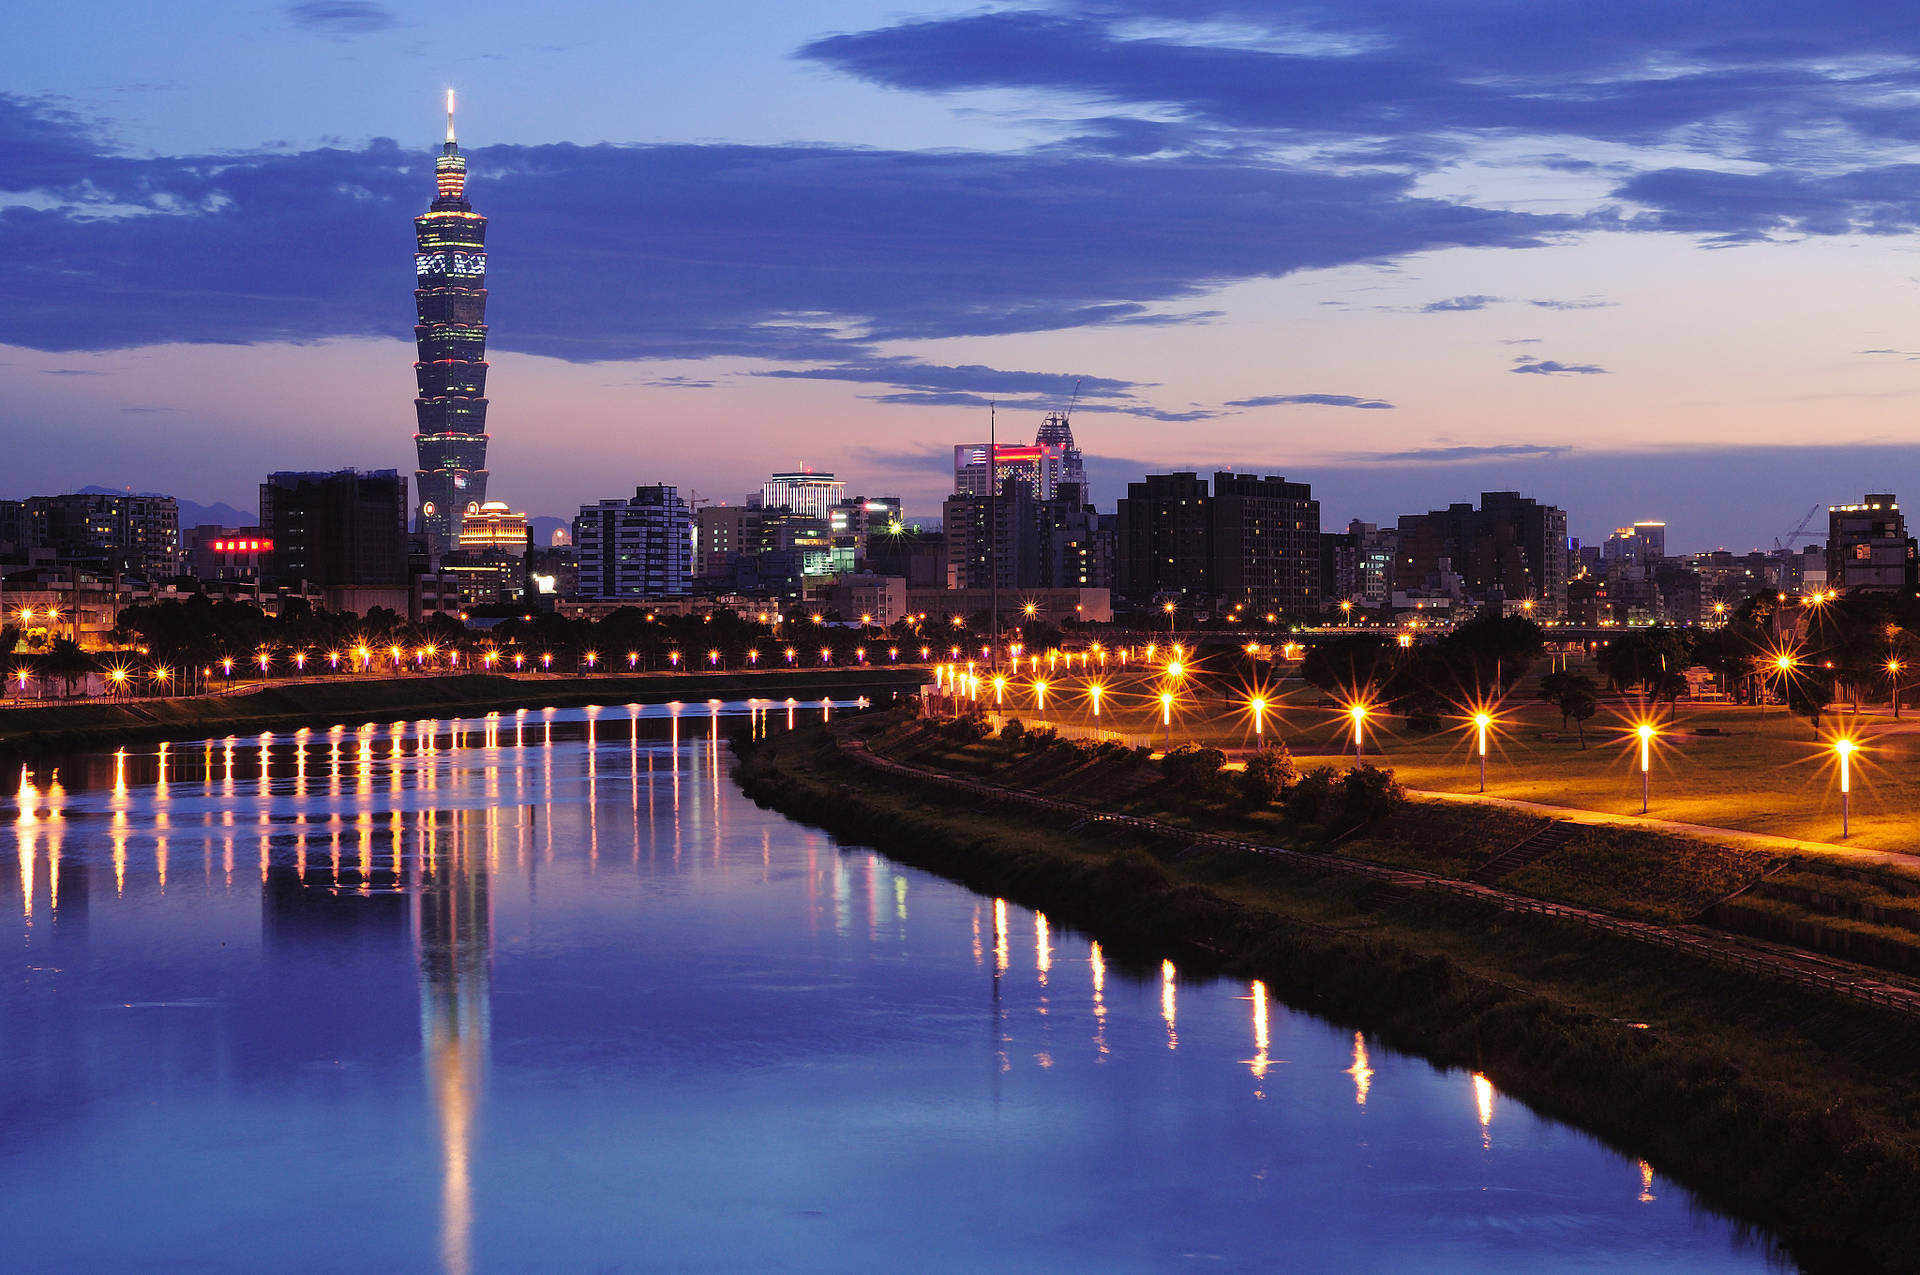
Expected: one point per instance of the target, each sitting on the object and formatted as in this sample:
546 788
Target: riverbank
1777 1103
29 730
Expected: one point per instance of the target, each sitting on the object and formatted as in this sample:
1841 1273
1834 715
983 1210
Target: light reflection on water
546 991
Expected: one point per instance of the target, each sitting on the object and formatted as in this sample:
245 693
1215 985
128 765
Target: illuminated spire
449 117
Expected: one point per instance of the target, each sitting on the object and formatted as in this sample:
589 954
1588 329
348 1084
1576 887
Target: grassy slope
1776 1104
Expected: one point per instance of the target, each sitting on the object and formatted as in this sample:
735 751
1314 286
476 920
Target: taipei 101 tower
450 299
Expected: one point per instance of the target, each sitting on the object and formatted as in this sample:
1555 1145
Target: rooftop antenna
449 116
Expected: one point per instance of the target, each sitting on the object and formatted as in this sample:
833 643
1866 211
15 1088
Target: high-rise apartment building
343 529
139 535
1512 548
1163 541
720 534
639 549
1266 544
803 492
1867 546
450 303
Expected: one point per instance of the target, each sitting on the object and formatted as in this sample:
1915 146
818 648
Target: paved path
1763 841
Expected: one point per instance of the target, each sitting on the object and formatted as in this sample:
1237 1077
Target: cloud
342 17
869 245
911 374
69 371
1321 400
1453 305
1449 455
1418 76
1553 367
1582 303
150 410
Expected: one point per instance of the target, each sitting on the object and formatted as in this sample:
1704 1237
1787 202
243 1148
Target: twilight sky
1642 259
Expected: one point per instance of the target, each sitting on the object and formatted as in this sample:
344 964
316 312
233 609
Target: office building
635 549
1642 543
1038 467
1867 546
339 531
1057 431
450 303
494 526
803 492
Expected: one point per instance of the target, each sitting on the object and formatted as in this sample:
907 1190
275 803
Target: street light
1646 731
1893 672
1358 712
1166 716
999 689
1258 707
1481 721
1040 694
1093 693
1845 748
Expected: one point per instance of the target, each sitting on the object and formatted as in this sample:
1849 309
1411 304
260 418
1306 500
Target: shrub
1143 755
1041 738
1268 774
969 728
1013 734
1190 764
1368 792
1312 795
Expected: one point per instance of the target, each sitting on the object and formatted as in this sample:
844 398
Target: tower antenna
449 115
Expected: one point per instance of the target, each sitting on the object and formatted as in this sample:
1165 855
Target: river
545 992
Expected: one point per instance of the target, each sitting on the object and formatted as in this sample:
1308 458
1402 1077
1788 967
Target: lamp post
1358 713
1481 721
1093 693
1258 707
1893 673
1166 716
1646 733
1845 748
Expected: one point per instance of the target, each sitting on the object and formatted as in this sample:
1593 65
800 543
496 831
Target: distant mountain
192 513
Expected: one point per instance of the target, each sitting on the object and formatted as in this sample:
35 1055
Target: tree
66 661
1491 652
1268 774
1666 684
1808 697
1576 695
1358 664
1636 656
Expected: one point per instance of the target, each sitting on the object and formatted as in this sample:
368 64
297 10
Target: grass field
1719 765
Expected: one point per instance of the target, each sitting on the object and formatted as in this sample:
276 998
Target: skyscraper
451 303
1057 431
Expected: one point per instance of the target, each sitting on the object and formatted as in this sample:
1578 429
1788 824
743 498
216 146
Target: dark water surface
409 1000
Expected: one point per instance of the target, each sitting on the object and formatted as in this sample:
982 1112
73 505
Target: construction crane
1799 531
1071 402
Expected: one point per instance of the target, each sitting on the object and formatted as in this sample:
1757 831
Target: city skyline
1233 230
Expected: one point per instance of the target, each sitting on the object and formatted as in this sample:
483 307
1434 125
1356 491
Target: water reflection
455 936
1361 1070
